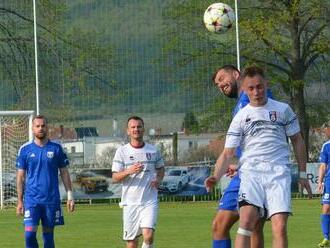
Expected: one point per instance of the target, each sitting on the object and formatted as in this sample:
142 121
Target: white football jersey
136 188
262 132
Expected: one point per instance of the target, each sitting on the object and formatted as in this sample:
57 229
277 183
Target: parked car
174 180
91 182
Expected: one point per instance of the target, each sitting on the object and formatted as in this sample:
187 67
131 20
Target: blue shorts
326 193
50 215
229 199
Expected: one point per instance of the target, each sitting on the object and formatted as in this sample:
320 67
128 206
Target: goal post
15 130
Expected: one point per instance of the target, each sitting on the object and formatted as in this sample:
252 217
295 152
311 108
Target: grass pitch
184 225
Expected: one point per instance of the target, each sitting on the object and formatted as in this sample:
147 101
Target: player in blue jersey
227 79
38 164
324 187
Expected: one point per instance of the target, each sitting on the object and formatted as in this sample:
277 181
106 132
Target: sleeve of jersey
117 162
292 123
234 134
21 159
63 158
324 155
159 160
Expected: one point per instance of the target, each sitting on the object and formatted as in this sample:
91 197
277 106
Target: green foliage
77 53
190 123
288 38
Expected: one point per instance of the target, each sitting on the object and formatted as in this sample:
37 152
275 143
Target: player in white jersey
261 130
140 168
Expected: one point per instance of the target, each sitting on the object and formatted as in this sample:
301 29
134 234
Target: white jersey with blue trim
262 132
136 189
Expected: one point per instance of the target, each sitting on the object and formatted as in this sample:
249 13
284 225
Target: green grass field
183 225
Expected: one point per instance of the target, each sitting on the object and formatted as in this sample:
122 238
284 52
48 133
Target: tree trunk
298 102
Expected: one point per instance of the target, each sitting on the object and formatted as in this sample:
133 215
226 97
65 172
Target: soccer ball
219 17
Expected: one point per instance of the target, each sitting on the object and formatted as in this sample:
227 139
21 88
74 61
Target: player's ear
236 75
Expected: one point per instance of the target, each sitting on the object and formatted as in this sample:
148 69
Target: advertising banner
97 183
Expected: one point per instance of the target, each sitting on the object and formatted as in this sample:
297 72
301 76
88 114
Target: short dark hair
253 71
39 117
226 68
137 118
326 124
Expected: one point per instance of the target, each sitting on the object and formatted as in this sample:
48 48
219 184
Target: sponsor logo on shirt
272 116
32 155
148 155
27 214
131 157
50 154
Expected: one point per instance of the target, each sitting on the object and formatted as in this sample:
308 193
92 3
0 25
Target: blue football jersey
42 171
325 158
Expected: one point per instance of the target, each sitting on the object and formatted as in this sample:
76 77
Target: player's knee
326 209
148 236
31 239
279 228
46 229
248 223
218 226
145 245
222 224
244 232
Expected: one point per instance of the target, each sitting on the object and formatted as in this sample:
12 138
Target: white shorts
266 186
137 217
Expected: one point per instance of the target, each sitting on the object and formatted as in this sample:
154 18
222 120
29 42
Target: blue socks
223 243
48 238
325 224
31 239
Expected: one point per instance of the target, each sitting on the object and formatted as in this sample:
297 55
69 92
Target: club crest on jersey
50 154
272 116
148 156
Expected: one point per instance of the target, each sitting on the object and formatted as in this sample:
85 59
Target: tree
288 37
104 160
71 59
190 123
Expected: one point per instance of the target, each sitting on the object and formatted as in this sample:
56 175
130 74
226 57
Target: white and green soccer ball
219 17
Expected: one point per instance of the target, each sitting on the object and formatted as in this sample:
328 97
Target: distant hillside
145 79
